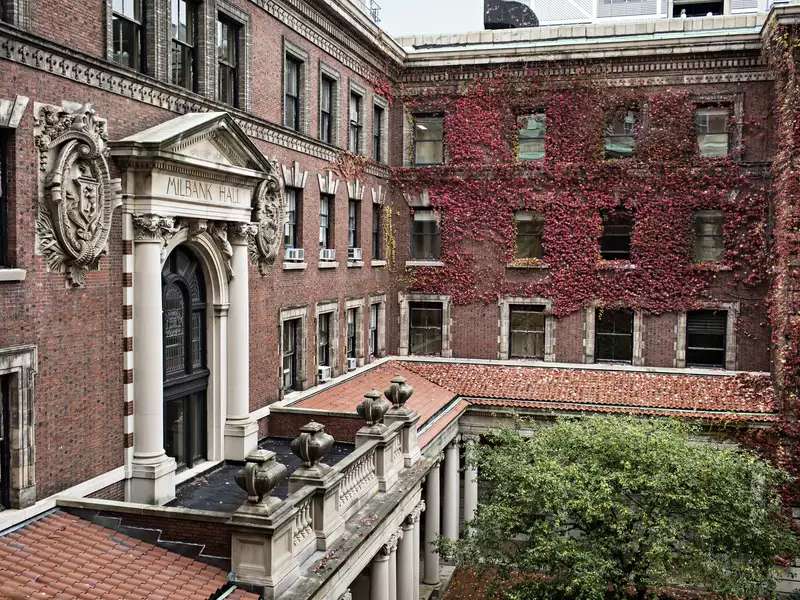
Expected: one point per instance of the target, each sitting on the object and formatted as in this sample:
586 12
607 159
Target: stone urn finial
398 392
312 445
259 476
373 408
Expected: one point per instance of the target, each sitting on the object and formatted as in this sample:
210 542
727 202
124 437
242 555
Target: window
291 229
374 314
527 332
326 221
706 331
617 230
5 180
353 219
532 129
614 336
128 25
425 328
692 8
708 240
352 347
291 354
184 43
291 86
530 230
425 237
377 232
5 442
428 140
324 340
356 122
713 132
326 103
620 134
377 133
227 61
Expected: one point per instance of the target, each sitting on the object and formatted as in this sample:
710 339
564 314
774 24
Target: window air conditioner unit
352 364
323 374
355 255
327 254
295 254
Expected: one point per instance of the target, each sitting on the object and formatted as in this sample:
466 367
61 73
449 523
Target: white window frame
357 305
405 299
328 308
503 340
289 314
732 309
380 302
589 330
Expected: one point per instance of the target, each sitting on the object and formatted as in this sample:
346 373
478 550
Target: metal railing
371 8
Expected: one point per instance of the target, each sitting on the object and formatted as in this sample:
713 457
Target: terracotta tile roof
427 436
428 398
63 556
742 396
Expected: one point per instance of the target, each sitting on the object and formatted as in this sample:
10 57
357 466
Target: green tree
604 508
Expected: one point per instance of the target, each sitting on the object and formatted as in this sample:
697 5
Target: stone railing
272 539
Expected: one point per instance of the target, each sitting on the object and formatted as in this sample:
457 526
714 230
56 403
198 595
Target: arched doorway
185 370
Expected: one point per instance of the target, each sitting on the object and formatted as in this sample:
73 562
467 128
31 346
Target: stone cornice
34 52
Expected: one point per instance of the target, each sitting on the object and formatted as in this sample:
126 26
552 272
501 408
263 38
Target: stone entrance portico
198 181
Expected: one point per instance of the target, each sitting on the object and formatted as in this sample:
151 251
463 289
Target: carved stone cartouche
268 216
77 196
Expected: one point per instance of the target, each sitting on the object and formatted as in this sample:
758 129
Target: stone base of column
241 438
153 481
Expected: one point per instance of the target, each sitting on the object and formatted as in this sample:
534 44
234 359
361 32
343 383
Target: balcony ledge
355 264
325 264
294 266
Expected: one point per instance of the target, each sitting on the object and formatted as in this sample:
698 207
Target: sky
404 17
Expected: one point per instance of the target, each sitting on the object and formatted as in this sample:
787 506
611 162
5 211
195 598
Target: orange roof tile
427 400
63 556
745 396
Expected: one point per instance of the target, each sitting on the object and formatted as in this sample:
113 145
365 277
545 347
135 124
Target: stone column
450 511
405 562
470 480
153 472
392 546
241 431
432 517
379 575
417 527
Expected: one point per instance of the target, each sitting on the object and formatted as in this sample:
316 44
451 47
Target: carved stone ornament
260 475
312 445
373 408
398 393
77 196
268 213
155 228
219 233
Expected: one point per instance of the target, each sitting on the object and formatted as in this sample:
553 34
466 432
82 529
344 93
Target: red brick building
210 207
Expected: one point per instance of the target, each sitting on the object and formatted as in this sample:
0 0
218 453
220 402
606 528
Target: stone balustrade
272 542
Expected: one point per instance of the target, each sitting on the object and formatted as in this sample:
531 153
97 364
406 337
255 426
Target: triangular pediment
213 139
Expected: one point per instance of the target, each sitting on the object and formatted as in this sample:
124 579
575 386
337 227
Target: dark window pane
291 354
327 88
713 131
614 335
184 43
425 331
356 123
527 332
377 232
530 230
615 243
227 61
292 87
706 333
353 219
127 42
326 220
425 235
5 441
377 134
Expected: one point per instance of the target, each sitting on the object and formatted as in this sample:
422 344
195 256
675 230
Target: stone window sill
329 264
378 263
713 267
12 275
356 264
424 263
527 264
295 266
615 265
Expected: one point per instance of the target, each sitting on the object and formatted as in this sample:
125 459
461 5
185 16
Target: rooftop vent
508 14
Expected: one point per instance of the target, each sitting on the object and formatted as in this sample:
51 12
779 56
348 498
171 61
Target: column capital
240 234
154 228
470 438
394 540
